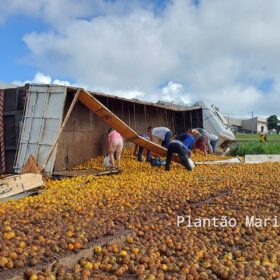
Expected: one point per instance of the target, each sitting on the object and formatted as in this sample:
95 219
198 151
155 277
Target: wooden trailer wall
84 135
188 119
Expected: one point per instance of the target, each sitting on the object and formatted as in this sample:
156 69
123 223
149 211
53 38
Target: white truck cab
215 123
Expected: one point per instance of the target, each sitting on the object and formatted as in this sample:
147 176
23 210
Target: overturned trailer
61 132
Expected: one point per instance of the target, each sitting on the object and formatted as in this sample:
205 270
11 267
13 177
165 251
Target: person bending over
200 141
160 134
115 145
177 147
211 139
187 139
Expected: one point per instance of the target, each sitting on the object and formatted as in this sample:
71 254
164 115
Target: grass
256 137
249 144
254 147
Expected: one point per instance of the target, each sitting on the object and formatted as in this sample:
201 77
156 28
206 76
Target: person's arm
205 149
135 150
188 151
207 136
190 146
108 142
209 145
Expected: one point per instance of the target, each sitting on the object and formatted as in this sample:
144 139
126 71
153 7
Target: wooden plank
106 115
85 172
225 161
17 184
119 238
31 166
111 119
261 158
21 195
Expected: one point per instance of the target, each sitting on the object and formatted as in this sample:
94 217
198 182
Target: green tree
272 122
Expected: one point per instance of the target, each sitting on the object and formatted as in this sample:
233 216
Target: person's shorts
116 146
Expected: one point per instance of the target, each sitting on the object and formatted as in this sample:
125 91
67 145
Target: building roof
238 122
234 121
256 119
261 119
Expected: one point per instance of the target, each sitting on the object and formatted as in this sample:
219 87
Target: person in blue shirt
187 139
181 150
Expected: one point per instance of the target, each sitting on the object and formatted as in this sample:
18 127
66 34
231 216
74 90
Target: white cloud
236 99
174 92
54 12
41 78
217 51
130 94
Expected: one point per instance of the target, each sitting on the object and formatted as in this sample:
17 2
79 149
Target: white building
257 125
254 125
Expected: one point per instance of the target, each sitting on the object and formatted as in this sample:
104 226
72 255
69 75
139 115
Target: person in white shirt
161 135
213 141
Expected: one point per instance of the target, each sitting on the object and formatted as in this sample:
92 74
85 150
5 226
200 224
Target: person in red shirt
200 143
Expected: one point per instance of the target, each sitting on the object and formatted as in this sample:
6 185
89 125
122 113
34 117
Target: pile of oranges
147 201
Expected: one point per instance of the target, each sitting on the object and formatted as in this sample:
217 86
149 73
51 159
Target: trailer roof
159 104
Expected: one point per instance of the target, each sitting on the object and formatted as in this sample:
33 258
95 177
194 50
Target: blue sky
222 52
13 50
14 55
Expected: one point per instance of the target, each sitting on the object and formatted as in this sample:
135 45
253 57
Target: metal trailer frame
42 120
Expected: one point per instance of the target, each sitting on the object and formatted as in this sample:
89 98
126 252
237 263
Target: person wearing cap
161 135
178 147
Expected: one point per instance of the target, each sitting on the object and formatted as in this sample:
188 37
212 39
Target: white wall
259 127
